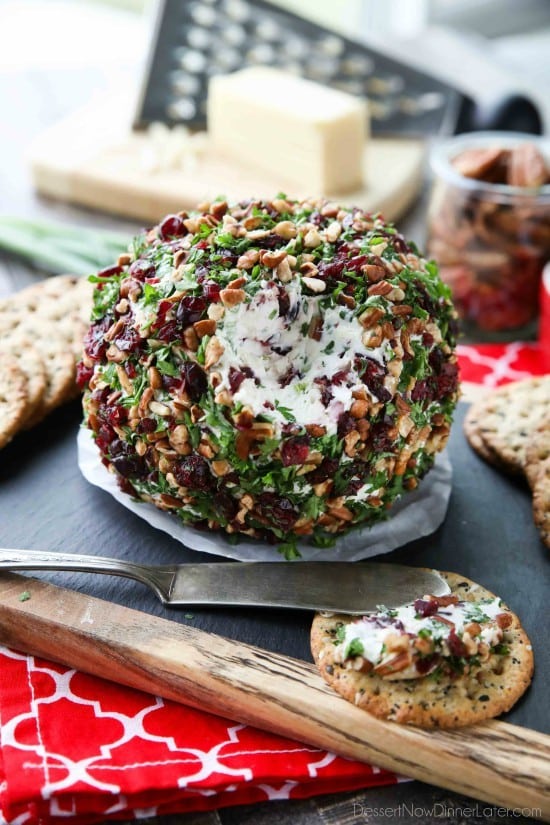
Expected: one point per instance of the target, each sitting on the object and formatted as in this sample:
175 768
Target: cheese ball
278 369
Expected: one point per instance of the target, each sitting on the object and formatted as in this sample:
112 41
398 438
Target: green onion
57 248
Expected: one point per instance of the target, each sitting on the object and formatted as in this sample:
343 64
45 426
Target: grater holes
199 38
234 35
268 30
226 59
331 46
192 60
237 10
262 53
184 84
184 108
202 14
392 84
357 64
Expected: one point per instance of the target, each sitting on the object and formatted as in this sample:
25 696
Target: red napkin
77 746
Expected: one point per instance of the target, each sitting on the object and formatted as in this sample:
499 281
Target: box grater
196 39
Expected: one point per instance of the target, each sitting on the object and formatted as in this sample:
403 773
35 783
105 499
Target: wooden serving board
268 690
94 159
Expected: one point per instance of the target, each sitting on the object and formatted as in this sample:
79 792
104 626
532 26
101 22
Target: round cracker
65 300
13 398
537 470
537 452
505 420
31 364
472 430
489 691
60 377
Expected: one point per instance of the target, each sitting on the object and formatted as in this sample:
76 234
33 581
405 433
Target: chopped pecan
232 297
248 259
205 327
214 351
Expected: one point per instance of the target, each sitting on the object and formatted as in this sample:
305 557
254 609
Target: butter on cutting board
267 119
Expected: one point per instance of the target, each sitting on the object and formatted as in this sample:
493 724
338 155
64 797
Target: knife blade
340 587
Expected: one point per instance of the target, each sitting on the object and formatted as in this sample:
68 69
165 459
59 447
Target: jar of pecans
489 229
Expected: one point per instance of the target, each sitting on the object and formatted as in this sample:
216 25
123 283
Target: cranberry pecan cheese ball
277 369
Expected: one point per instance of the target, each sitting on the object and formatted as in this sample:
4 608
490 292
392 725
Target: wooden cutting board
497 762
94 159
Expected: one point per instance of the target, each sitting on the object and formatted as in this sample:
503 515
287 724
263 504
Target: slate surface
488 535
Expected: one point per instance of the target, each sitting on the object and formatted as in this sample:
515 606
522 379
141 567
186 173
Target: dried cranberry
83 374
356 263
278 510
373 376
456 645
172 227
211 291
193 472
141 269
284 302
447 380
190 310
228 259
436 359
425 608
125 461
399 243
295 450
129 341
104 436
427 663
116 415
109 272
427 339
194 380
95 346
290 374
147 425
346 423
225 505
236 377
281 351
127 488
332 269
380 439
339 377
325 390
422 391
169 332
325 470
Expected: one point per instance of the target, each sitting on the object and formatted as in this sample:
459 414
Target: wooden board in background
94 159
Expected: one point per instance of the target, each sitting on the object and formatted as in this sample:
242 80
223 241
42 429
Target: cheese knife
342 587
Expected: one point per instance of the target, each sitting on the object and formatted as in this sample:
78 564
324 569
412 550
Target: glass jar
490 240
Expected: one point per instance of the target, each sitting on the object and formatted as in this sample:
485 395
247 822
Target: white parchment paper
417 514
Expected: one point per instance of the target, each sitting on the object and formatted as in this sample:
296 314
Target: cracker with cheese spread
438 662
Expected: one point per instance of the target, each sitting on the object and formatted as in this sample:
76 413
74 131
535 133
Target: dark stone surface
488 535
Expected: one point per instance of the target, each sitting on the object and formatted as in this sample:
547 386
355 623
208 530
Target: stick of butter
310 137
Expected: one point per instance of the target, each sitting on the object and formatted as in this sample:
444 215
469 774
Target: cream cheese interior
286 361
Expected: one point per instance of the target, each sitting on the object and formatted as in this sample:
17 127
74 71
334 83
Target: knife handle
157 578
500 763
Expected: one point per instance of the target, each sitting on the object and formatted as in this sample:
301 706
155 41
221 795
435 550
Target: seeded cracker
499 427
538 474
489 689
63 300
31 363
13 398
